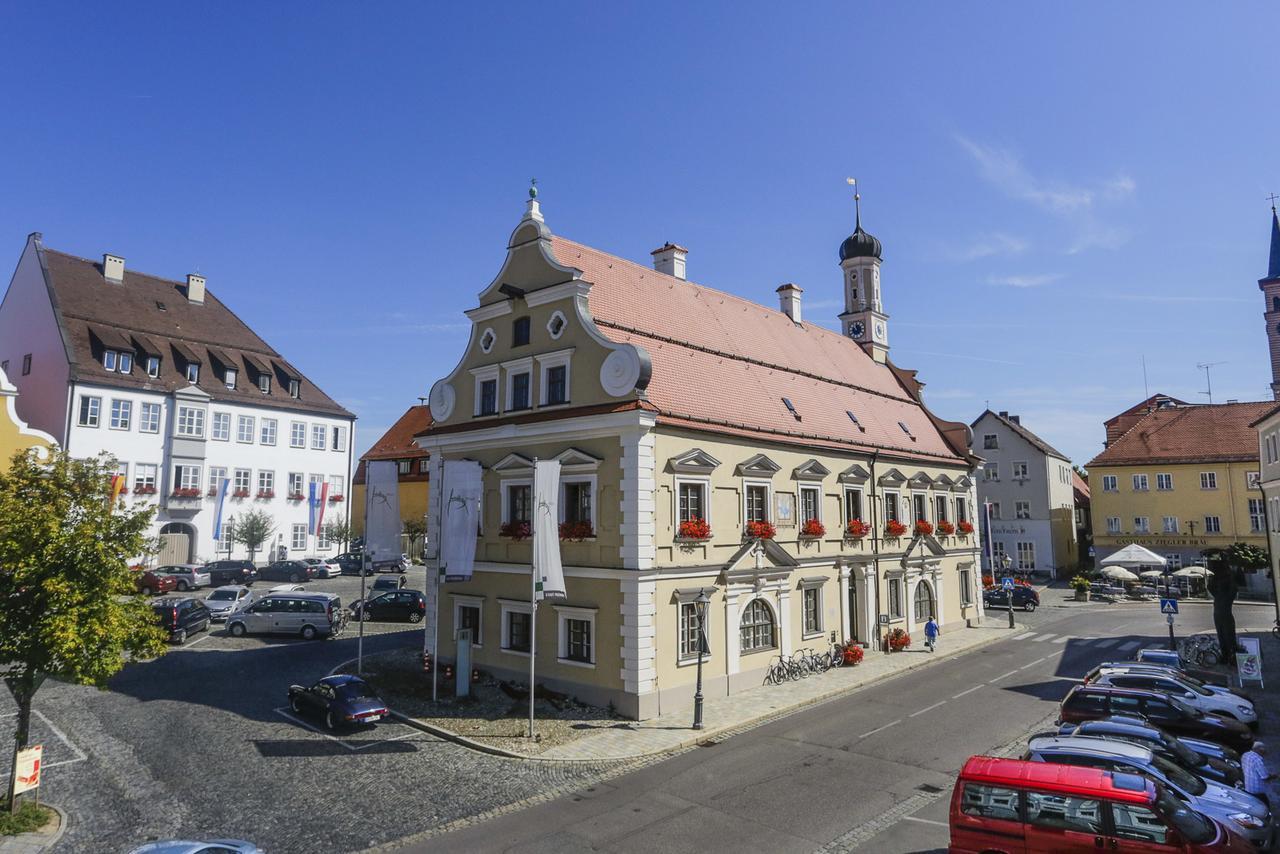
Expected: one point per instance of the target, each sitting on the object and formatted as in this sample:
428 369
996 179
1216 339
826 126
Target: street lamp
1006 562
702 601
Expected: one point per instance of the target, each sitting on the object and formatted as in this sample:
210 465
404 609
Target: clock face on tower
856 330
879 331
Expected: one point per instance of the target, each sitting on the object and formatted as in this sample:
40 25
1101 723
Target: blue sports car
341 701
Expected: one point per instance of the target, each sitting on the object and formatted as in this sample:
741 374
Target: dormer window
264 383
126 363
109 358
193 372
295 388
230 378
520 331
153 366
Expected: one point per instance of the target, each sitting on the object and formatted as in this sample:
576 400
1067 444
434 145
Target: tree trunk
23 687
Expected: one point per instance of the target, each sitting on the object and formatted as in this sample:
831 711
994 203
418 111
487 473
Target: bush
1080 583
29 817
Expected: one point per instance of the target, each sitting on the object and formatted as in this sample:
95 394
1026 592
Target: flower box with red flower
266 493
213 492
515 530
144 490
945 527
813 529
240 493
898 640
965 528
124 490
894 528
923 528
852 654
694 529
296 496
576 531
334 499
761 530
185 492
857 529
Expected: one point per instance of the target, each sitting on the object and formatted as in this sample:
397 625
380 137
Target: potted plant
334 499
852 654
965 528
813 529
576 531
515 530
1081 585
761 530
923 528
894 529
945 527
898 640
694 529
296 496
857 529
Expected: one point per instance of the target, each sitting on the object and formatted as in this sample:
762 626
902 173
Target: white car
1167 682
227 600
287 588
189 846
324 568
189 576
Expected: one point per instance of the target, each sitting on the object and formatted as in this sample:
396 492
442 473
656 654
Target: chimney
669 258
789 301
195 289
1004 413
1016 419
112 267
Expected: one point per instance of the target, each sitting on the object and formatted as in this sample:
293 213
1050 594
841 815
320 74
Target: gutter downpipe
875 543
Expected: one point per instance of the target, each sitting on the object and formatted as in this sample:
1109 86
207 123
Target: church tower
863 319
1270 286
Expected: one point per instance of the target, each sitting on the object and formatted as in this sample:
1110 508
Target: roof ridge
127 270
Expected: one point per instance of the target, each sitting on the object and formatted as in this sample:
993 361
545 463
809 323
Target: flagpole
533 591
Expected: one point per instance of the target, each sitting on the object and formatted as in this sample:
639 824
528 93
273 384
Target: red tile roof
397 443
724 362
1080 485
1218 432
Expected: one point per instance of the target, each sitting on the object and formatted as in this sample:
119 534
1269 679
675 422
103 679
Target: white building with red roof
709 444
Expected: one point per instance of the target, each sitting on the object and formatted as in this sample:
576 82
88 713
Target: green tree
68 607
416 531
253 528
1245 556
340 532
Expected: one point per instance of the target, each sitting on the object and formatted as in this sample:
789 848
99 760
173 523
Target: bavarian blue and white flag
313 506
461 487
548 573
223 486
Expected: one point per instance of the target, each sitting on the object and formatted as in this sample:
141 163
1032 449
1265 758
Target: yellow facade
413 503
1196 498
15 435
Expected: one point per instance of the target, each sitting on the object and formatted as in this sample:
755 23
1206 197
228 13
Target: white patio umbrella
1151 573
1118 573
1134 556
1192 572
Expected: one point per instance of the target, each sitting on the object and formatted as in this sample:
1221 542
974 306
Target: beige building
684 418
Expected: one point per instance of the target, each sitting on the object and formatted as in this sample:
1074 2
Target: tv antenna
1205 366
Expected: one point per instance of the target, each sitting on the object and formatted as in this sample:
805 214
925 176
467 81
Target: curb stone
25 843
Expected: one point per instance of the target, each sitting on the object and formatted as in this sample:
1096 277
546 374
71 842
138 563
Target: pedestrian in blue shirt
931 632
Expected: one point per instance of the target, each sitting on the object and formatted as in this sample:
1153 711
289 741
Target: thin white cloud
1168 298
1033 281
996 243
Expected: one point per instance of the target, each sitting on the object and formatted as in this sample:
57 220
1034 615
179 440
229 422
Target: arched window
924 602
757 627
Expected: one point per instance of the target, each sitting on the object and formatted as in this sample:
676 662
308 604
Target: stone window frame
506 607
467 600
545 362
564 613
702 481
481 376
747 483
689 598
510 370
801 489
816 586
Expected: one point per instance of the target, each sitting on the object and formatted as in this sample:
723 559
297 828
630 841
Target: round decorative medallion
620 371
442 401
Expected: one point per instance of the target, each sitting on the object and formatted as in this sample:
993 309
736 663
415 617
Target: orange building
412 464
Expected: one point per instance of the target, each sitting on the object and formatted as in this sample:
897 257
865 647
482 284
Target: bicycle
776 673
1201 650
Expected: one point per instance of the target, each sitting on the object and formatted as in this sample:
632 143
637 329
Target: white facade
1031 496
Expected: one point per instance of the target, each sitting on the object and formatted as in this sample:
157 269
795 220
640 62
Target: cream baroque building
668 402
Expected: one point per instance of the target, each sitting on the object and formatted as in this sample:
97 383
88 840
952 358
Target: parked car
308 615
1171 683
230 599
1038 808
1217 687
325 568
287 570
1090 702
340 701
189 846
181 616
1245 813
1154 655
150 582
1024 597
1199 745
395 606
286 588
400 564
188 576
222 572
1177 751
351 562
389 582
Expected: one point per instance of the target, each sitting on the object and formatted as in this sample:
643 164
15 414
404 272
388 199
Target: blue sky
1060 189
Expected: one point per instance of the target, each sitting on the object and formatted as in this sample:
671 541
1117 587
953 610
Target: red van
1008 806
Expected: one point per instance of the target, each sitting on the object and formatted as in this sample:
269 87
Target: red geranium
923 528
899 640
186 492
761 530
695 529
241 493
857 529
576 531
296 496
852 654
515 530
945 527
965 527
894 528
335 498
813 528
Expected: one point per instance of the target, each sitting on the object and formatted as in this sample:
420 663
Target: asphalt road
868 772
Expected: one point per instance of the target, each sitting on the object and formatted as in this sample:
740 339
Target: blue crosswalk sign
1007 583
1168 606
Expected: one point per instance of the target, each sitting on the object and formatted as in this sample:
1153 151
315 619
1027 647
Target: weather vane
533 188
857 204
1272 198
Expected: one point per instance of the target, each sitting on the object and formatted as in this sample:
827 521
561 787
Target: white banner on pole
460 518
547 571
382 524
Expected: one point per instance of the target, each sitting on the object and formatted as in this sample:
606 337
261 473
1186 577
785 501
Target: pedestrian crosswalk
1096 643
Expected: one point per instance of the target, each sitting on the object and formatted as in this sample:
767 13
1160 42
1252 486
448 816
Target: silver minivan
308 615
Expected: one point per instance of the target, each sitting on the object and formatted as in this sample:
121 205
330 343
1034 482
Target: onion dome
859 245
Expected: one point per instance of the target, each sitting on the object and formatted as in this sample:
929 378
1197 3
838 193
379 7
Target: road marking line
925 821
1025 635
1103 644
386 741
878 729
44 766
53 729
927 709
196 641
1002 676
1129 647
350 747
1062 639
969 691
1034 663
1044 638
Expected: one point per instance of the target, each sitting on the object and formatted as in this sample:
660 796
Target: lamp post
703 601
1006 562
